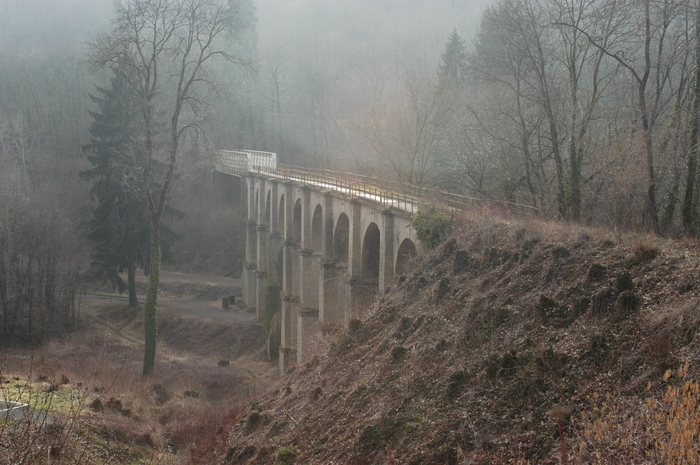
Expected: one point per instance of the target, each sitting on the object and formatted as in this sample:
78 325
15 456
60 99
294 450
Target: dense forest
586 110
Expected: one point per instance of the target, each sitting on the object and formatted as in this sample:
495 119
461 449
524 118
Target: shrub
286 455
643 253
433 226
595 273
398 352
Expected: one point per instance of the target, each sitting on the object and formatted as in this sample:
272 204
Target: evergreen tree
453 68
119 228
450 113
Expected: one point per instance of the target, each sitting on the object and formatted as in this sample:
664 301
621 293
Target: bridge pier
249 277
361 293
290 306
307 317
332 298
262 271
386 251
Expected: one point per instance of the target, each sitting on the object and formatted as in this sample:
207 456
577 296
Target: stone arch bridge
326 242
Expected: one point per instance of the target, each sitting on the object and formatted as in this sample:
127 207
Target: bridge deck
403 197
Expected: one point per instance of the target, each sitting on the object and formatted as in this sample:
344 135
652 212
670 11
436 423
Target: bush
286 455
433 226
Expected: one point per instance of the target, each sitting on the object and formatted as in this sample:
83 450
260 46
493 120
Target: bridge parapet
262 161
241 163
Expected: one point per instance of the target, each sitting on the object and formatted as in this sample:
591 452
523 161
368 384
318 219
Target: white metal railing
240 163
262 161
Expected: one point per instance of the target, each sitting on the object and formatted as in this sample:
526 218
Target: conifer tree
453 68
449 116
119 227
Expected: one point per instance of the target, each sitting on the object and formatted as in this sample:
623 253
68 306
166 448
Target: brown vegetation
543 315
110 414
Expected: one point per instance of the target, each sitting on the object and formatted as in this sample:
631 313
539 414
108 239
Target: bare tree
168 44
646 61
405 135
689 199
587 79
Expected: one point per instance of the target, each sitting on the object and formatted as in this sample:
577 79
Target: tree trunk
688 201
651 176
558 164
646 125
133 298
151 306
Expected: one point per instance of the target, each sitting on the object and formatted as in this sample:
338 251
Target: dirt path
192 296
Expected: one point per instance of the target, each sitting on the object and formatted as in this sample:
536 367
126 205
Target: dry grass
483 361
170 417
661 431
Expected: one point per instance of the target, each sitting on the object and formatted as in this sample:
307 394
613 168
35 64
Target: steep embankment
461 361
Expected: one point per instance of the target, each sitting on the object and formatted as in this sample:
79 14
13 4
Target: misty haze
362 232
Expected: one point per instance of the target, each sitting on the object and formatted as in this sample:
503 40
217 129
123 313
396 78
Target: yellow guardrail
402 196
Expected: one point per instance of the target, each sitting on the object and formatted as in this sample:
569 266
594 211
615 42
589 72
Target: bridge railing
242 162
391 194
260 161
400 195
231 162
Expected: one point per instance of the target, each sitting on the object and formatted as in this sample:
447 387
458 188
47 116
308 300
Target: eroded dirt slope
460 362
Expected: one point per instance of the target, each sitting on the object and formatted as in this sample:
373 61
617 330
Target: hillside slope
460 362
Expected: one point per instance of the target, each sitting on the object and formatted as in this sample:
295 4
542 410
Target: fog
511 101
315 73
329 55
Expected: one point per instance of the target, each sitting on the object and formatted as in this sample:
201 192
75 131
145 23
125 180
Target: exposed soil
462 360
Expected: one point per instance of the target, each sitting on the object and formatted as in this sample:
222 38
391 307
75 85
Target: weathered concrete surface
330 253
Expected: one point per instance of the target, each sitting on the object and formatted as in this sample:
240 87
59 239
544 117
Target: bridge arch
407 252
341 239
268 208
371 245
317 229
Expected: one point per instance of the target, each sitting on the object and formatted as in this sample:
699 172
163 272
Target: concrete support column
290 285
307 332
262 271
307 317
309 273
276 237
331 301
328 286
354 287
249 278
361 295
386 251
249 283
290 306
262 259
